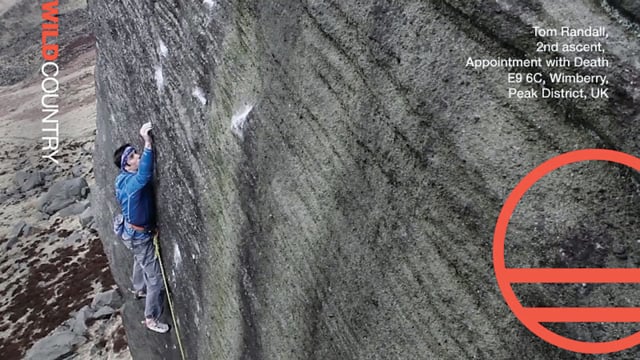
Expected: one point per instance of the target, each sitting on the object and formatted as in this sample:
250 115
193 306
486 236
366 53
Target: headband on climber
125 156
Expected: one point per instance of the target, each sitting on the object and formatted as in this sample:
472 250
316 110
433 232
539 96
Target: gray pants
148 276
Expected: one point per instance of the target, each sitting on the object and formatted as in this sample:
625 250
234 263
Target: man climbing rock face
135 194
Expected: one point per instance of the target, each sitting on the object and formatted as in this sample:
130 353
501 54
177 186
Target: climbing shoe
156 326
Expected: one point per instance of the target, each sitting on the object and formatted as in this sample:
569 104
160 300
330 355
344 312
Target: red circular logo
532 317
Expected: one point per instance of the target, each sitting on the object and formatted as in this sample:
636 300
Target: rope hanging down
156 245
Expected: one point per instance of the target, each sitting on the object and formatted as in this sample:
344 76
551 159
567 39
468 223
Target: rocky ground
52 261
57 296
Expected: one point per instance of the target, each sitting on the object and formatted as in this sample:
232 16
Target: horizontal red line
583 314
581 275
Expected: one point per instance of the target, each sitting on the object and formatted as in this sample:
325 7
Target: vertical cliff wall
329 173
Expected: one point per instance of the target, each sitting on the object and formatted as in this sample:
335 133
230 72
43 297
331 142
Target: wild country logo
533 317
50 85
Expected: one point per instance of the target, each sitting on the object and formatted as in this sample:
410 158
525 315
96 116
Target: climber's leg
154 303
138 279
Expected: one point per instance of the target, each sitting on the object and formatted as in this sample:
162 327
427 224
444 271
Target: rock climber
135 195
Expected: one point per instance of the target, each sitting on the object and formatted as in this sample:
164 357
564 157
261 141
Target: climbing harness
156 245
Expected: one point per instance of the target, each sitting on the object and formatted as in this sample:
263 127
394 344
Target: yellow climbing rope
156 245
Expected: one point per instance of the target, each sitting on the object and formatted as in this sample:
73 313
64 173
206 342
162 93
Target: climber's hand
144 132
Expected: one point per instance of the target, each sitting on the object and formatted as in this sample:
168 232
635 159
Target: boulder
17 230
10 244
86 217
78 324
58 345
77 170
339 169
12 190
30 230
103 313
110 298
28 179
87 148
74 238
74 209
62 194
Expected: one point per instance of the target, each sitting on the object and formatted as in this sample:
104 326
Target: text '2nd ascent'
566 63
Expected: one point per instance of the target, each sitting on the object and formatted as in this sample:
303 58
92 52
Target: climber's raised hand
144 132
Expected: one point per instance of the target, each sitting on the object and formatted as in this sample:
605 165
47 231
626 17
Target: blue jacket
135 193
